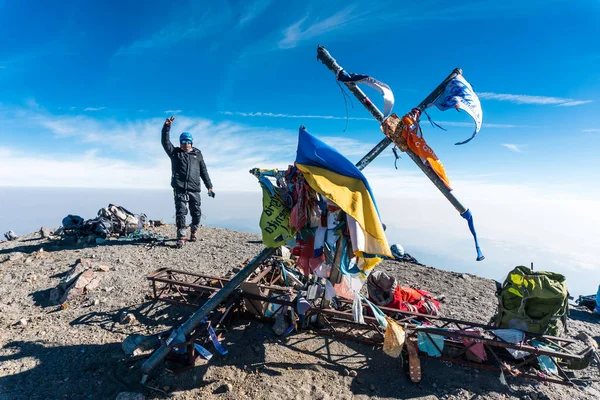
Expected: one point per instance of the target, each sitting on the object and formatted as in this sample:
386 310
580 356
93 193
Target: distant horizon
448 247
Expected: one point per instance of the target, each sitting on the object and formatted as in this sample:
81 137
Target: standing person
187 168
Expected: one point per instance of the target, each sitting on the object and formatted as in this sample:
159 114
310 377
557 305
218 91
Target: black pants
181 209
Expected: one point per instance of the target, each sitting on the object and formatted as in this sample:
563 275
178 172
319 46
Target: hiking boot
180 243
194 235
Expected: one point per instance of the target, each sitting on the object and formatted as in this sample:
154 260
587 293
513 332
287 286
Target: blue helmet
186 136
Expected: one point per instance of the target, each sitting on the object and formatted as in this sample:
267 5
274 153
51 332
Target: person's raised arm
165 139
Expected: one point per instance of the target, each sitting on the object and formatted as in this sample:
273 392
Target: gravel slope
46 352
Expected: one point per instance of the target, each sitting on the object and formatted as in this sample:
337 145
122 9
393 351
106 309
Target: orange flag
409 137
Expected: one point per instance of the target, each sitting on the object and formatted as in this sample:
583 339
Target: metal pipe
326 58
210 305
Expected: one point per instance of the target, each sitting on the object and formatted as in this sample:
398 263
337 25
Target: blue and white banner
382 88
460 95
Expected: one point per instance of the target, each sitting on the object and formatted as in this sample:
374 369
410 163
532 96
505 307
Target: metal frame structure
336 320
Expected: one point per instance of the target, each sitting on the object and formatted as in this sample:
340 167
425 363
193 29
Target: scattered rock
96 302
45 232
353 373
465 277
137 344
346 372
126 318
229 387
68 279
104 268
22 322
166 388
85 283
474 298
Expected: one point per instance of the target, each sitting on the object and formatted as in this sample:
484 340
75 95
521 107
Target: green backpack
533 301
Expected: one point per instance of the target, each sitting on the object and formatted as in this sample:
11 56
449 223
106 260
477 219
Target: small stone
166 388
104 268
96 302
64 306
346 372
126 318
352 373
93 256
22 322
229 387
289 368
465 277
474 298
120 261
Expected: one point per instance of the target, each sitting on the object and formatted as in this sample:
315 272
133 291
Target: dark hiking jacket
187 168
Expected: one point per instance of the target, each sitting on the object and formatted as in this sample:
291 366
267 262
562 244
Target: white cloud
594 130
574 103
527 99
302 30
276 115
172 111
512 147
230 151
94 108
254 9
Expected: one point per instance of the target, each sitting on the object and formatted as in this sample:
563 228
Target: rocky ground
74 351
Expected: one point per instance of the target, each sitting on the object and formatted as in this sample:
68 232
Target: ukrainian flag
331 174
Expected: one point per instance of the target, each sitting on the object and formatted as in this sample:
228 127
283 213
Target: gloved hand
211 193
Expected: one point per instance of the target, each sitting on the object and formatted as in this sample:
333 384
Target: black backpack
100 227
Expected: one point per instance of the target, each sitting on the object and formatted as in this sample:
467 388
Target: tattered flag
382 88
460 95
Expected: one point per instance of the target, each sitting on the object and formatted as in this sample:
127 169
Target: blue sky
85 88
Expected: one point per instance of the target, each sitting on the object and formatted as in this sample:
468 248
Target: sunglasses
186 142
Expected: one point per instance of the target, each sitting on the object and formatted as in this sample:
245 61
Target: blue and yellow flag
331 174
